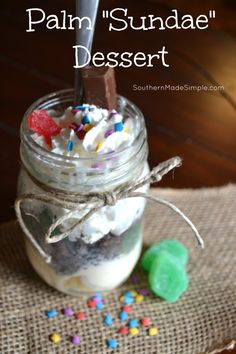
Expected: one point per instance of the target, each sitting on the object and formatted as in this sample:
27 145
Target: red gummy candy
127 308
145 322
41 123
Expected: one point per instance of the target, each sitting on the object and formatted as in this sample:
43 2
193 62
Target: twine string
92 202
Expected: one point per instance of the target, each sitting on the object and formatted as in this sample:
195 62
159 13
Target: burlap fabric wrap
203 321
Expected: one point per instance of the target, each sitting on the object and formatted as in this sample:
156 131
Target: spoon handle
84 37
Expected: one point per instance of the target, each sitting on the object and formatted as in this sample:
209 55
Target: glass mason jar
99 254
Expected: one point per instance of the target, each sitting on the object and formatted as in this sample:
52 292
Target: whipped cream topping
88 131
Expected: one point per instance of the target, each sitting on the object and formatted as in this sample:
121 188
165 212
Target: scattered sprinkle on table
127 308
152 331
75 340
108 320
112 343
134 293
99 305
145 321
55 337
123 330
144 292
96 301
97 298
128 300
91 303
133 323
123 315
128 293
134 331
80 316
51 313
67 311
139 298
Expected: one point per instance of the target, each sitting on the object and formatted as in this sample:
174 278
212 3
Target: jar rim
39 103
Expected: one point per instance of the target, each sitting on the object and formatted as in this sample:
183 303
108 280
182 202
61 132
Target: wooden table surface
198 126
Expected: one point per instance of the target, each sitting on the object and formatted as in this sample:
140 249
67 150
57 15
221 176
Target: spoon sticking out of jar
84 37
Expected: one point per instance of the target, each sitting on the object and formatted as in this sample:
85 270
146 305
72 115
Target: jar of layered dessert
69 152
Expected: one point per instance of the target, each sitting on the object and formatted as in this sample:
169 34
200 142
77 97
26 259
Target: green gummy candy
174 247
167 278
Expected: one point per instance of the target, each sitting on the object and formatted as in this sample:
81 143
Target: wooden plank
44 51
200 166
211 52
21 88
225 11
206 117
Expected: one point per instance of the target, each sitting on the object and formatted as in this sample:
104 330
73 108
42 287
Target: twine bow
75 202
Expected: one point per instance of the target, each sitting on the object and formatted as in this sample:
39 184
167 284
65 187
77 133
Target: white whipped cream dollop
100 133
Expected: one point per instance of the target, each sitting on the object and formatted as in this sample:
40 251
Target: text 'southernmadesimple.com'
119 20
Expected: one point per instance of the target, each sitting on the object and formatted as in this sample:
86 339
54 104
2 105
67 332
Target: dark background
198 126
